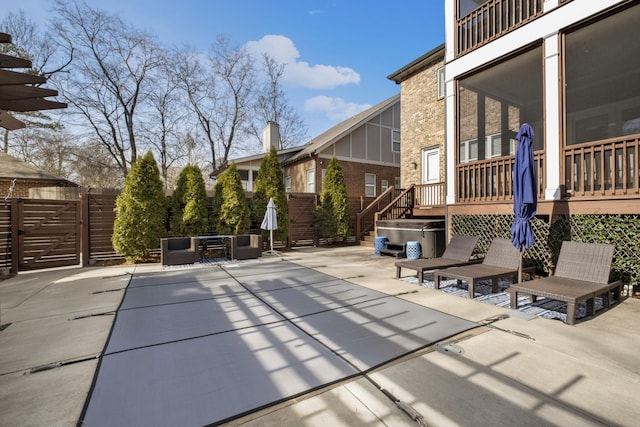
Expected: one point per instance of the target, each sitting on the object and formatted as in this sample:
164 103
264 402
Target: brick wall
354 175
422 123
21 188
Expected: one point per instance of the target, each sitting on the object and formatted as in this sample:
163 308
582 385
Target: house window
468 151
323 174
493 104
493 146
396 182
384 185
287 184
311 181
602 92
465 7
395 142
370 185
441 86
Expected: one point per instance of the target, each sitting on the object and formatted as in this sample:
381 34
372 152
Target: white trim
552 116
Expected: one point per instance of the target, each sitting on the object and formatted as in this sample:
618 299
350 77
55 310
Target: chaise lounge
458 253
502 260
581 274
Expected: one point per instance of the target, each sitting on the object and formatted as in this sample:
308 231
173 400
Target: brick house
569 68
367 146
19 179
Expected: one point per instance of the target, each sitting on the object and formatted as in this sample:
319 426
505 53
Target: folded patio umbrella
525 193
270 221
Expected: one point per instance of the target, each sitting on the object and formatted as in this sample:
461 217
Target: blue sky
337 53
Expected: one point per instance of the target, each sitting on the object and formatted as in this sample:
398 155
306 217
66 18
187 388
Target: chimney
270 136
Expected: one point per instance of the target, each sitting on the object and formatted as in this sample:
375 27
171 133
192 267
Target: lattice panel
623 231
488 227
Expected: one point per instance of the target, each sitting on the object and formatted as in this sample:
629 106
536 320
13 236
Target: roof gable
333 135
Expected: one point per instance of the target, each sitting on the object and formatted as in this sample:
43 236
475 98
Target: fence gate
301 207
46 233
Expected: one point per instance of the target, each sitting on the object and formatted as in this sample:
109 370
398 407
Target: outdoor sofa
244 246
581 274
179 250
458 252
502 260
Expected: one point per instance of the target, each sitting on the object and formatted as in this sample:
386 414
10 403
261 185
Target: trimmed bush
141 211
231 214
270 184
189 204
332 219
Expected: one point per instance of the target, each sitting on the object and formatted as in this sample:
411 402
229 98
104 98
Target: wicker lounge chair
244 246
179 250
458 252
582 273
502 260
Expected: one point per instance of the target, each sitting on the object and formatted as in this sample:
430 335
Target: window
384 185
396 182
493 104
602 90
395 142
468 151
323 174
311 181
370 185
441 83
465 7
287 184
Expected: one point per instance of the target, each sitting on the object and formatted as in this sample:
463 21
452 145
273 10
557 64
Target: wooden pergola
21 92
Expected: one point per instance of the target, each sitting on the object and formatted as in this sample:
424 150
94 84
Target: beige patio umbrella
270 222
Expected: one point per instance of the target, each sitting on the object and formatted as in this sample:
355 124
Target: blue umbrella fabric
270 221
525 192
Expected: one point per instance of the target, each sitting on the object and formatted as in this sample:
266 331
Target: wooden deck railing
365 220
492 179
493 19
430 194
608 167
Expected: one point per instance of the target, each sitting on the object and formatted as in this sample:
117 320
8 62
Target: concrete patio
512 372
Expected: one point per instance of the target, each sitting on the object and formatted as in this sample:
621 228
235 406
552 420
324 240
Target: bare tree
107 79
271 105
166 113
219 90
92 166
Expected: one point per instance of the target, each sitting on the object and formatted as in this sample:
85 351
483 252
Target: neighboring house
19 179
366 145
567 67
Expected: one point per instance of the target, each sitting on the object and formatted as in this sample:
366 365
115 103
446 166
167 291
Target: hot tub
430 233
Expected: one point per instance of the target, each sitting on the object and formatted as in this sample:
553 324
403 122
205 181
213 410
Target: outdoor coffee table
213 242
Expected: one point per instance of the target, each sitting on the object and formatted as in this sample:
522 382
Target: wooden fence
38 233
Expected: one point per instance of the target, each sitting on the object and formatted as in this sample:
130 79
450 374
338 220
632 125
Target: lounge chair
179 250
581 274
458 252
244 246
502 260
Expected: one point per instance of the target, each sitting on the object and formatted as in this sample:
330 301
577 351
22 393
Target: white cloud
300 73
334 108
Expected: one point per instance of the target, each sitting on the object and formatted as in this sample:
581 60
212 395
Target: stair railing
365 220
